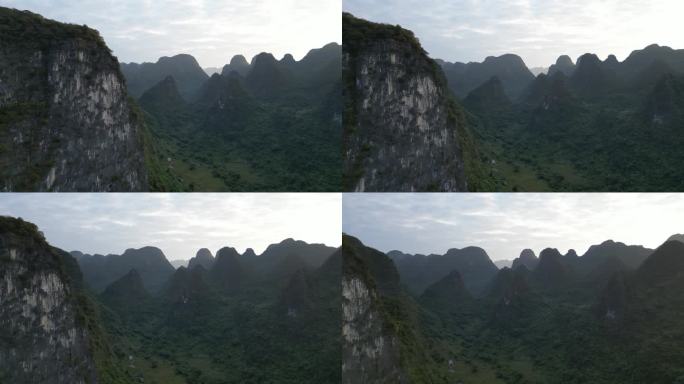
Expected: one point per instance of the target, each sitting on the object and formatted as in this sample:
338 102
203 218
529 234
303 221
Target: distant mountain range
251 126
414 318
133 317
155 270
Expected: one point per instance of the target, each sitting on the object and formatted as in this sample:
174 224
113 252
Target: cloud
139 31
537 30
505 224
179 224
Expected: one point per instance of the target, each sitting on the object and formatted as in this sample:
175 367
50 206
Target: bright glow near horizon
177 223
537 30
503 224
212 31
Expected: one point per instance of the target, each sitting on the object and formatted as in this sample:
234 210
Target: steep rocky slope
402 130
48 331
370 352
65 119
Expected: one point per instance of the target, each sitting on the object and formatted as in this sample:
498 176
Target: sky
503 224
179 224
537 30
211 30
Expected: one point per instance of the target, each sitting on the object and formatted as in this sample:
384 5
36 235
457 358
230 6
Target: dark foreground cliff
402 129
49 330
65 119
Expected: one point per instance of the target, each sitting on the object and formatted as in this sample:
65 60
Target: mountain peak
508 58
203 258
148 252
571 254
665 263
204 253
677 237
264 58
527 254
611 60
563 65
238 60
589 77
288 59
657 47
564 61
588 59
238 64
249 252
526 259
180 59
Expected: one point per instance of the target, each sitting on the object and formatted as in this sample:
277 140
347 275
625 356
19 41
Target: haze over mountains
525 324
250 126
134 318
253 129
588 125
582 125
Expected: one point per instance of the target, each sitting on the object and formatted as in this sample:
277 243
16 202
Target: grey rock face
403 137
66 121
42 338
369 355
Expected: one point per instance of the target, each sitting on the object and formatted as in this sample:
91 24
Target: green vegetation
43 33
228 140
217 338
359 33
277 149
614 142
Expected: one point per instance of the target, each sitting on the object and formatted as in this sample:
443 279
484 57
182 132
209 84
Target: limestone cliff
42 335
370 352
402 129
65 119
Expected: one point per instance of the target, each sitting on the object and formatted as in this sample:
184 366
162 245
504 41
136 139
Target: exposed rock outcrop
370 351
65 118
402 132
43 338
